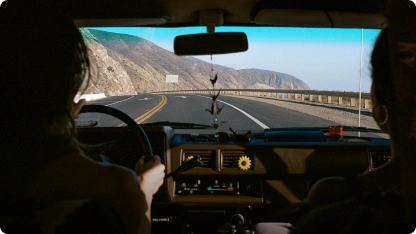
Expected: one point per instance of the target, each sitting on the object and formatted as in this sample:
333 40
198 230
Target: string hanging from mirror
215 107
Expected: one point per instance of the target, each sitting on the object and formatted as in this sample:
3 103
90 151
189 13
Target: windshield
289 77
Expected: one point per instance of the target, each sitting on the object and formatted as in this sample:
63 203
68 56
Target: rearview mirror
210 43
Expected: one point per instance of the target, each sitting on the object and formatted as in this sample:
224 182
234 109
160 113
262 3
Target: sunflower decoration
244 163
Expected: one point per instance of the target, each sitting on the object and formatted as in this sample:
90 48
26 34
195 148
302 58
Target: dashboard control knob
237 219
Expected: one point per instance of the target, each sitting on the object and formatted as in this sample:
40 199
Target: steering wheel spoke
142 139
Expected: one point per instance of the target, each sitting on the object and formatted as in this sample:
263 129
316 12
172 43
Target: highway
240 114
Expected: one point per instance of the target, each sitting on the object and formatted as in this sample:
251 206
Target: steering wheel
141 136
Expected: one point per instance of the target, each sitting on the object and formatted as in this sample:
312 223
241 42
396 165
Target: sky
326 59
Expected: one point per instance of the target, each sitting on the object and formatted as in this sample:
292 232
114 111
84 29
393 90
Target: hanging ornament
213 80
215 108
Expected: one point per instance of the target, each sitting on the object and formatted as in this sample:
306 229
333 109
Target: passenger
375 202
43 64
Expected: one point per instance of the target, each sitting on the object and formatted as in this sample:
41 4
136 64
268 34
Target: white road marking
120 101
264 126
181 96
145 99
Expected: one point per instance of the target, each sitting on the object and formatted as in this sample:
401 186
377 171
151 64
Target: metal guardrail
339 97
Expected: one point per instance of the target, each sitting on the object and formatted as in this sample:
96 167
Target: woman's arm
74 177
151 176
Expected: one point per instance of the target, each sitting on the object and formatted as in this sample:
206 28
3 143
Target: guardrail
339 97
89 97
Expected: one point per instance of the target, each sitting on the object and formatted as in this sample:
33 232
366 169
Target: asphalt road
240 114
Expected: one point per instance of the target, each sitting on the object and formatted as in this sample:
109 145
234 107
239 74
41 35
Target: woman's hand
76 108
151 175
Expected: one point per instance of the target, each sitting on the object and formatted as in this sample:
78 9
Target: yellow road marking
151 112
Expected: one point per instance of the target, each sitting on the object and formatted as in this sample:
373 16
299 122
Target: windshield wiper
179 125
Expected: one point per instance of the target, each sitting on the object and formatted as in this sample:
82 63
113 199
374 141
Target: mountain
273 79
130 64
108 74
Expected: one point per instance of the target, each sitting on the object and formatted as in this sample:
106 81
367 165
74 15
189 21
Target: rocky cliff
108 74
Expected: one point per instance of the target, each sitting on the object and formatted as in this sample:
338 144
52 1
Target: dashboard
241 179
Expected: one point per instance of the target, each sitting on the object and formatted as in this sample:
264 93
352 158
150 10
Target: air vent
378 157
236 160
208 158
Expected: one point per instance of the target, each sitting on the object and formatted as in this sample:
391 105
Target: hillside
130 64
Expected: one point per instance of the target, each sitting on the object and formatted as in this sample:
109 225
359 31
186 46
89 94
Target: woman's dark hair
43 64
382 73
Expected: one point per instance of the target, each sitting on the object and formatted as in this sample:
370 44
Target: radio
216 186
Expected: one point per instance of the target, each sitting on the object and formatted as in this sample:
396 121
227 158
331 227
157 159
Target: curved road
240 114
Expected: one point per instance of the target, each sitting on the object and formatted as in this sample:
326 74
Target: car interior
227 179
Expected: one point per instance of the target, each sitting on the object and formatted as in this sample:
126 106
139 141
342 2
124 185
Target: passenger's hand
277 228
150 174
76 108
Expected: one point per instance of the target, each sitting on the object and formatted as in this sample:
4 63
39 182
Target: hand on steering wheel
151 175
76 108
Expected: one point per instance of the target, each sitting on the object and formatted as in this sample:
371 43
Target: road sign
172 78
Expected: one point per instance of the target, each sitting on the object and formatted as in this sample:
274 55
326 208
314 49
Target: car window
289 77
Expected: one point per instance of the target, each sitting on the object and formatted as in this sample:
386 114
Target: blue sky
326 59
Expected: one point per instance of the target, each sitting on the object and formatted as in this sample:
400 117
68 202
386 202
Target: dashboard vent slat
377 158
208 158
230 160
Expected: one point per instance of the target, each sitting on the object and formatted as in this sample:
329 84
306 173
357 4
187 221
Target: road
240 114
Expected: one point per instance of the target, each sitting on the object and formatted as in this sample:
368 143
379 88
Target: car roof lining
339 13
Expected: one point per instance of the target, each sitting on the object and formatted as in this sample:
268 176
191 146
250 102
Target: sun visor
292 18
319 18
357 20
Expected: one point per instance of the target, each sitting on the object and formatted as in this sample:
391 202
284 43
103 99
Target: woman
370 203
44 63
375 202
